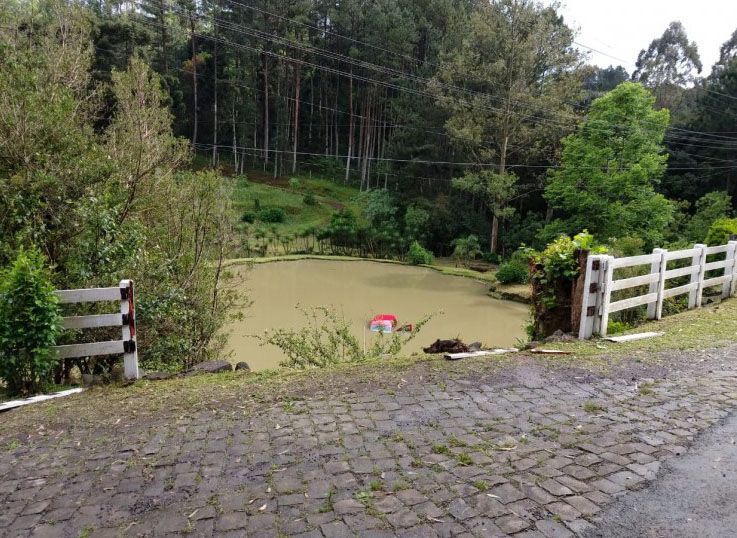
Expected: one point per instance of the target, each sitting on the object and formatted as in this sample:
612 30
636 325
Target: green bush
491 257
720 231
309 199
418 255
294 183
29 323
512 272
249 217
466 248
272 215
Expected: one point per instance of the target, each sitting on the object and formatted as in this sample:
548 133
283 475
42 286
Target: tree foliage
29 323
105 199
610 168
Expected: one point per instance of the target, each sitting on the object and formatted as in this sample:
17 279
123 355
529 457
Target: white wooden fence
600 282
124 319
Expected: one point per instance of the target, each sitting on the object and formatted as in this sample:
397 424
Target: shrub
466 248
294 183
491 257
29 323
249 217
327 339
512 272
309 199
418 255
720 231
272 215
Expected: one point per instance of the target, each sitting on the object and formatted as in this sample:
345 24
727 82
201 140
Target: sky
621 28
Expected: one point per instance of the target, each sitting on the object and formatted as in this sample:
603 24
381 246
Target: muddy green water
361 289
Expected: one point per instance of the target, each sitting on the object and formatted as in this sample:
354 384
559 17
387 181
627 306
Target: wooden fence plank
607 297
632 302
716 281
681 254
672 292
91 322
694 298
110 347
632 261
90 295
625 283
656 310
717 250
711 266
733 283
127 308
681 271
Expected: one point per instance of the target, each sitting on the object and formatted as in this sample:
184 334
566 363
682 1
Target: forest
129 128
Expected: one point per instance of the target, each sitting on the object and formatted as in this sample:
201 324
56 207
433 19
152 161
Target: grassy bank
693 330
702 328
264 192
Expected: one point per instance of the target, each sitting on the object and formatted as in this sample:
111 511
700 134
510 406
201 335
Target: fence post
590 303
698 260
127 309
607 293
730 270
655 310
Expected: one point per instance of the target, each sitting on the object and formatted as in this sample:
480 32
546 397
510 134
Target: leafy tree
727 53
669 63
709 208
29 323
721 231
496 189
515 61
609 170
105 200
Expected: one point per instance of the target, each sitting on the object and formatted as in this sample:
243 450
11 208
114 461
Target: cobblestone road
532 451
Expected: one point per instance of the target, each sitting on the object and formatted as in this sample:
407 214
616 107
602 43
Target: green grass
330 196
701 328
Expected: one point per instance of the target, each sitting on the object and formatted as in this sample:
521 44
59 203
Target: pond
361 289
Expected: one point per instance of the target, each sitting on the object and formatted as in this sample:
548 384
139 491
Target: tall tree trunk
235 139
295 132
215 93
266 112
164 38
194 80
350 129
495 219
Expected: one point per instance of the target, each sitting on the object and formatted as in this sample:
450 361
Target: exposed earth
519 446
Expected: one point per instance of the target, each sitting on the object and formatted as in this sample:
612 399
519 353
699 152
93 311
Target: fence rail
600 282
125 319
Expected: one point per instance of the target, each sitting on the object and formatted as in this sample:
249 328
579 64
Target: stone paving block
552 529
583 505
511 524
555 488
